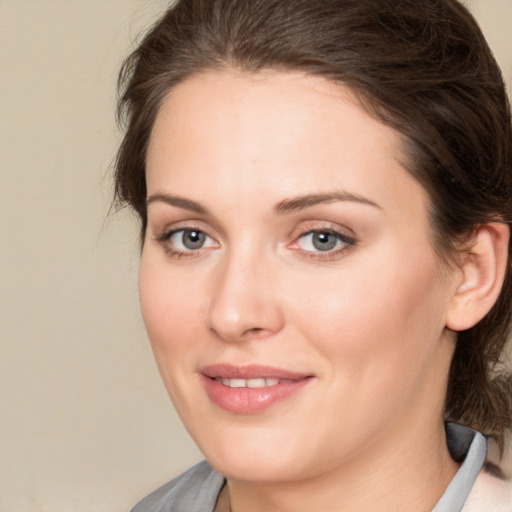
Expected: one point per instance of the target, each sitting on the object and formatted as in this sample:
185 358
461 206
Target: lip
245 400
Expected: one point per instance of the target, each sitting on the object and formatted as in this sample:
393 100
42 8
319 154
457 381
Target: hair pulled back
423 68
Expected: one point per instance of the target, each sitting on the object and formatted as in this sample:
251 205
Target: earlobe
483 268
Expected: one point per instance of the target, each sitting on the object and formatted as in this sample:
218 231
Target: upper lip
251 371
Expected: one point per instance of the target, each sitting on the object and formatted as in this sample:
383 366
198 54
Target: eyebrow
179 202
306 201
286 206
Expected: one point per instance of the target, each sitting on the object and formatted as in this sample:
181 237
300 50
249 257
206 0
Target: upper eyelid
168 233
303 228
341 236
178 226
210 227
318 225
324 229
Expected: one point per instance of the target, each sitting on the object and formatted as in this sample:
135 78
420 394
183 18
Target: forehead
221 132
289 103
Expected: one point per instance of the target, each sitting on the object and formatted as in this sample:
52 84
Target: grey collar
459 438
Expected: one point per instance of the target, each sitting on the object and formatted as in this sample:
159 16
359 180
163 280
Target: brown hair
423 68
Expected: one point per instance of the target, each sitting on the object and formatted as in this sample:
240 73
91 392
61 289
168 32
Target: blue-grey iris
193 239
324 241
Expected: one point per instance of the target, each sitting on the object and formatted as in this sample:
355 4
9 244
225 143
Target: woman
324 190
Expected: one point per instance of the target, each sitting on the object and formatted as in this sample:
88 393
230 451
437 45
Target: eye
320 241
186 241
325 240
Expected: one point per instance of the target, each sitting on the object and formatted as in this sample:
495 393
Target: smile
252 383
251 389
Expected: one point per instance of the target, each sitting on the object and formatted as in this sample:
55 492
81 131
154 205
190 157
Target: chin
256 468
272 465
256 454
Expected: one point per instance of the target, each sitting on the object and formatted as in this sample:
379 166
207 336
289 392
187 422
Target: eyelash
329 255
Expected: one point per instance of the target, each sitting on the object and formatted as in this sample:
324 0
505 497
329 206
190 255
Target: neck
420 469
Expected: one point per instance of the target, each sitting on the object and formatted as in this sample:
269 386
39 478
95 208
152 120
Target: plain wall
85 424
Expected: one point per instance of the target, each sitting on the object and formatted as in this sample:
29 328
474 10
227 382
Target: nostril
256 332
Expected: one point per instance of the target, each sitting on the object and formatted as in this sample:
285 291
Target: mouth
251 389
252 383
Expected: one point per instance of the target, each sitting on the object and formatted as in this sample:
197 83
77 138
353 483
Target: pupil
193 239
324 241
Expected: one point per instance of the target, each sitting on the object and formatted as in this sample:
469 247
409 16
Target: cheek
376 321
379 335
171 308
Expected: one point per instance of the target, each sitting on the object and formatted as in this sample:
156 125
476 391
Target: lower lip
250 400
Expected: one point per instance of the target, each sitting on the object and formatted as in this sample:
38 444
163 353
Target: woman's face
288 283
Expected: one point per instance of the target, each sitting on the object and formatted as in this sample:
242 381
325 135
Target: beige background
85 424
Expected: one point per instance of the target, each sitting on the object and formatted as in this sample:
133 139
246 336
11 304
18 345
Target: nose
244 304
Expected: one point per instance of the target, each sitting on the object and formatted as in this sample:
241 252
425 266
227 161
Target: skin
367 319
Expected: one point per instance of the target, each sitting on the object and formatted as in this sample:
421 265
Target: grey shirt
198 489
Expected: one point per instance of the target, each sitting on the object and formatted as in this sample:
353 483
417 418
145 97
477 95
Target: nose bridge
243 302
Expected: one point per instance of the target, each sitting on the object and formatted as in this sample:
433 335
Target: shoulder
196 490
490 494
492 491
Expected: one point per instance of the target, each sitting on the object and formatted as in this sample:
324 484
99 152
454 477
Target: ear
482 274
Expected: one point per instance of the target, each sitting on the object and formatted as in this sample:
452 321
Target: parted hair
421 67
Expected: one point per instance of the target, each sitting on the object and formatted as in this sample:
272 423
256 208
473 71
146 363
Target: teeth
237 383
256 383
251 383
